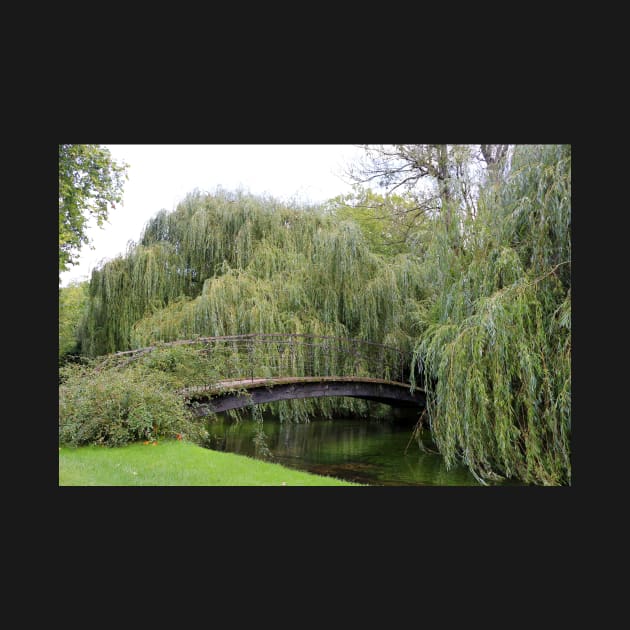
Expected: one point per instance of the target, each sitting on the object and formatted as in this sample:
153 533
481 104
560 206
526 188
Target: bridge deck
229 394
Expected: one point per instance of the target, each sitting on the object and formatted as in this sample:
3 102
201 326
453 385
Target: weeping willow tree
234 264
495 347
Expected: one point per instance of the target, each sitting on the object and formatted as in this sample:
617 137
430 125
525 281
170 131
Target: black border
408 519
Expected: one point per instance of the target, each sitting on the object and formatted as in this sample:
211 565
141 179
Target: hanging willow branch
496 346
227 264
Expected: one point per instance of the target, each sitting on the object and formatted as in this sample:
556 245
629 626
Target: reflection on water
375 452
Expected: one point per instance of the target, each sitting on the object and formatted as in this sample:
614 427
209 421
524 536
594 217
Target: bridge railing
292 354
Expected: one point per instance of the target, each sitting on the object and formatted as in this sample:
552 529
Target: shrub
114 407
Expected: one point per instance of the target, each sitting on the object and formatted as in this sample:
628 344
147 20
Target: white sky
160 176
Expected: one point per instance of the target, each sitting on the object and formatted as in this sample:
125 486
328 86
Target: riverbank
175 463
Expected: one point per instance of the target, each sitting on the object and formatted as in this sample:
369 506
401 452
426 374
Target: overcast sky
160 176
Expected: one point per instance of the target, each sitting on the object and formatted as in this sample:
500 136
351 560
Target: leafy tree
89 183
72 305
388 223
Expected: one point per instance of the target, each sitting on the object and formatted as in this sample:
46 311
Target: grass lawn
173 463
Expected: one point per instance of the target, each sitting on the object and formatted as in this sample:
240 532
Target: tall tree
90 182
495 345
441 178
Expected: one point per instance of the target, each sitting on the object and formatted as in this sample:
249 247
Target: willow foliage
496 346
232 264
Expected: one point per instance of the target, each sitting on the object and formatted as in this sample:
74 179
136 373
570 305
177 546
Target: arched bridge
261 368
236 394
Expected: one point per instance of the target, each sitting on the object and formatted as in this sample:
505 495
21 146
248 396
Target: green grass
173 463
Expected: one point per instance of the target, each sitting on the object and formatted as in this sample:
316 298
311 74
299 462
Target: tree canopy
90 182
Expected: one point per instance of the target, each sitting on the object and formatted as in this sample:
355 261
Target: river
365 450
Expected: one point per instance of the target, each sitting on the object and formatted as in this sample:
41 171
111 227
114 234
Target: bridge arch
240 394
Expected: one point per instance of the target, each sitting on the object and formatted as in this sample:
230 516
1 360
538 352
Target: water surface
369 451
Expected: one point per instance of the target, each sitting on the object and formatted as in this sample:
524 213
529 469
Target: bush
114 407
